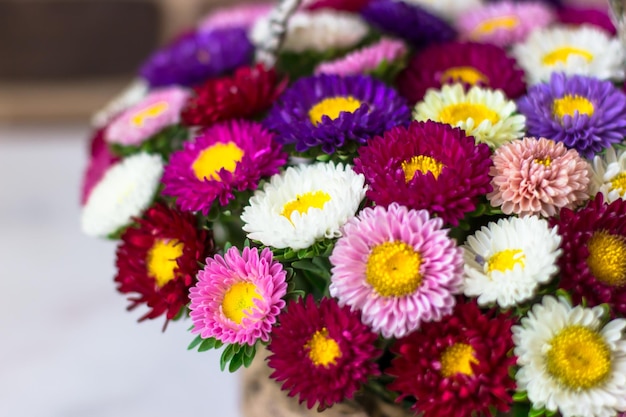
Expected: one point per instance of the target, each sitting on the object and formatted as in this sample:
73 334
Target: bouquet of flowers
424 200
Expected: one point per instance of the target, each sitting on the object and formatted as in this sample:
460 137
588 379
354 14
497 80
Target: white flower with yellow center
583 50
609 175
506 261
304 204
569 361
125 191
448 9
485 114
319 31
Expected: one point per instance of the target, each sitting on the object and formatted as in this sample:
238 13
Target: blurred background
68 347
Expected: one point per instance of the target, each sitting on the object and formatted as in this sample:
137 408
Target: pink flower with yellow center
158 110
238 296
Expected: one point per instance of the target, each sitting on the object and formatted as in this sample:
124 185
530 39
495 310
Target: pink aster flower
237 16
538 176
504 23
238 296
398 267
366 59
99 163
226 157
155 112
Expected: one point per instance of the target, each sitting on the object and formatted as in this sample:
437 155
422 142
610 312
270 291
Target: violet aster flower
467 62
407 21
329 111
398 267
584 113
227 157
504 23
428 165
196 56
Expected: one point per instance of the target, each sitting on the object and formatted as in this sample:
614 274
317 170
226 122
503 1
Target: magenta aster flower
428 165
158 110
237 16
99 163
457 367
398 267
577 16
593 264
538 176
366 59
228 156
466 62
322 354
504 23
238 296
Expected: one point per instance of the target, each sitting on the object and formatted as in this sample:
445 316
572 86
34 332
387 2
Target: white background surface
68 347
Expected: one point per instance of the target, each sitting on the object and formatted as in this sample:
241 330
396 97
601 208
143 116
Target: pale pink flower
238 16
538 176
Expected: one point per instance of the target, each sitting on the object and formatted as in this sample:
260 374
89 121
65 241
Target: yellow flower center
569 105
578 358
467 75
303 202
393 269
161 260
150 112
238 301
215 158
457 359
332 107
607 258
323 351
423 164
618 183
493 24
547 161
563 53
461 112
505 260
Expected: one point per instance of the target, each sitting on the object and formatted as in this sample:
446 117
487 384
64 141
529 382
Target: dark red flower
157 260
250 91
467 62
593 264
458 367
99 162
426 165
322 354
344 5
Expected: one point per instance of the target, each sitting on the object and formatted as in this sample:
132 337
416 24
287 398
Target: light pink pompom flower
366 59
237 16
504 23
158 110
538 176
238 296
398 267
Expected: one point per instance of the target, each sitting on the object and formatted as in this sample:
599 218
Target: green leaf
520 396
195 342
247 360
536 412
520 409
236 362
228 355
207 344
306 265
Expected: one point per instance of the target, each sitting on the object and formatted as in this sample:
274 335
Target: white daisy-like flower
609 175
304 204
319 31
583 50
506 261
124 192
485 114
569 361
130 96
448 9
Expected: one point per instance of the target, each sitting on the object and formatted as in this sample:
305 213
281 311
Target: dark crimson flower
343 5
100 161
250 91
157 260
458 367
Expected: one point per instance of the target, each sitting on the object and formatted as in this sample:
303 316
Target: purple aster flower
228 156
584 113
398 267
196 56
329 110
428 165
407 21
